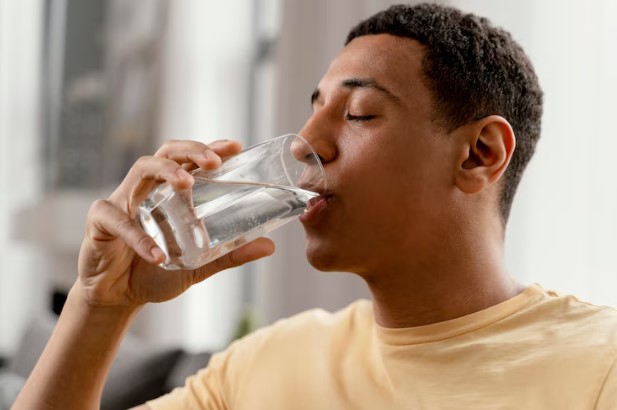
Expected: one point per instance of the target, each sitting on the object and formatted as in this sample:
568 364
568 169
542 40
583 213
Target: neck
437 288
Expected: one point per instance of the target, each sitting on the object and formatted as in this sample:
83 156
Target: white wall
22 286
563 227
205 97
206 87
563 230
311 35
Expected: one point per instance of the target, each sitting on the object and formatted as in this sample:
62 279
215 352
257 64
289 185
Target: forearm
71 372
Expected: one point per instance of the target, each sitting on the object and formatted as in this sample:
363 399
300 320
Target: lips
313 208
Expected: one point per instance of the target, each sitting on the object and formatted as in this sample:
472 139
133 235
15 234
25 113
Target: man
425 122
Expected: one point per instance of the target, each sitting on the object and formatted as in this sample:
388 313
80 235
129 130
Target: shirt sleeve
216 386
608 394
202 391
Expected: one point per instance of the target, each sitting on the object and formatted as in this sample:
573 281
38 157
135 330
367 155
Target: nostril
309 157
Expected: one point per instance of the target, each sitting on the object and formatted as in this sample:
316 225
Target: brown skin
118 274
116 258
411 209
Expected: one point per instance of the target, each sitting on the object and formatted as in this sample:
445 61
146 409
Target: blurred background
88 86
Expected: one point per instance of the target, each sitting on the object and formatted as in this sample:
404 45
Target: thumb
257 249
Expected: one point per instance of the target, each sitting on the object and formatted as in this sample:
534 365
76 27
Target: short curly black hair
473 69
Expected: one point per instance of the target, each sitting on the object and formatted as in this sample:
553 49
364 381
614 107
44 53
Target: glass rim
315 155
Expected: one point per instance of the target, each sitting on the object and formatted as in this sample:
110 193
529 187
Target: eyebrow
353 83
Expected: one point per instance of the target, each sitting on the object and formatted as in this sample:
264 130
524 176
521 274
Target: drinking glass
250 194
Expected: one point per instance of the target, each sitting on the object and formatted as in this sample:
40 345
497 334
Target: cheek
376 197
390 167
392 190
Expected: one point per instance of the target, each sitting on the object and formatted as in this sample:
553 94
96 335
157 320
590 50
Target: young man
425 122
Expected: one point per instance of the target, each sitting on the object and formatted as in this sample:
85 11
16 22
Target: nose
309 174
319 133
303 151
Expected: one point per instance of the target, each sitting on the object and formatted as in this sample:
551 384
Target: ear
487 147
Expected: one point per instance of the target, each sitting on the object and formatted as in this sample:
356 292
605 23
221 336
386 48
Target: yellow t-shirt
538 350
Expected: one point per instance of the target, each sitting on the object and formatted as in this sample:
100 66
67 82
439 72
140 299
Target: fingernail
212 157
157 254
183 173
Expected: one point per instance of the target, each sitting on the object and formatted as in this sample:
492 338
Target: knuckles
175 145
186 148
95 214
165 148
145 242
124 225
97 207
142 161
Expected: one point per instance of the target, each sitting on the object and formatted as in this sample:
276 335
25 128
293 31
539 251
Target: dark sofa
139 373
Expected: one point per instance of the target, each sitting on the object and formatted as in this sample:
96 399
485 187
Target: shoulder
307 326
356 312
273 353
296 342
564 320
573 312
314 323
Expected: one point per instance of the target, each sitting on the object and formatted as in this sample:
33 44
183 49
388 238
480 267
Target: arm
118 274
75 362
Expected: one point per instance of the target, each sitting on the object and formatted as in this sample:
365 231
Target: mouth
315 207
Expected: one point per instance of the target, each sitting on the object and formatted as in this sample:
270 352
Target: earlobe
486 151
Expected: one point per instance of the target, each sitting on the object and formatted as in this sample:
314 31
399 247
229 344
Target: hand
118 260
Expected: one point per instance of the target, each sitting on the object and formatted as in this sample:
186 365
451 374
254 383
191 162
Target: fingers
257 249
192 152
225 148
143 177
171 163
106 222
189 152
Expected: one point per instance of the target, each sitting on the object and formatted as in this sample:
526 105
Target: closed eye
351 117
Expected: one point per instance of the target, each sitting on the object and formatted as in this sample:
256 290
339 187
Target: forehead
393 62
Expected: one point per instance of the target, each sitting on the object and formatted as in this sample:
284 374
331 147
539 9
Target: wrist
94 299
80 297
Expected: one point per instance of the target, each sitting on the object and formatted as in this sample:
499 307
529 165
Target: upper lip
322 191
311 180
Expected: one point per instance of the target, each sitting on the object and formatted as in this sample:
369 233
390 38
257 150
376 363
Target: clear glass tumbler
250 194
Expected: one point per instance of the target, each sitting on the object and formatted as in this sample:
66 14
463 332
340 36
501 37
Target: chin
327 257
323 258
